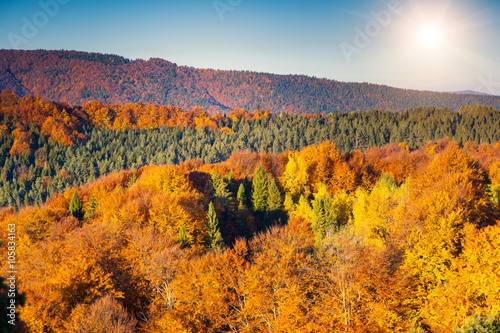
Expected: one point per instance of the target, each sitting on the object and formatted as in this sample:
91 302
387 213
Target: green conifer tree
248 191
241 196
213 232
220 191
324 219
91 208
274 202
259 190
75 206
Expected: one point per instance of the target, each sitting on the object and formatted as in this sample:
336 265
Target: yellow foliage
471 285
167 179
374 212
303 209
169 212
295 178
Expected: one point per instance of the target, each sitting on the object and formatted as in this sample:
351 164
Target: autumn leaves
390 240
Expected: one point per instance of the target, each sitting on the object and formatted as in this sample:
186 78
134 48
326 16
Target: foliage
79 77
75 206
393 239
481 324
214 237
82 143
260 190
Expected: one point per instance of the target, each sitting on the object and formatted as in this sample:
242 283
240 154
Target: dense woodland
390 240
144 218
79 77
49 147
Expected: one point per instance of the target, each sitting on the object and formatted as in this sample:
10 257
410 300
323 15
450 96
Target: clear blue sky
437 45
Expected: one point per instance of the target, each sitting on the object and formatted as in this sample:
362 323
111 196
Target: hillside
79 77
48 147
309 241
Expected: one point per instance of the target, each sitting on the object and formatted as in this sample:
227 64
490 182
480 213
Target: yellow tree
295 178
444 202
373 213
73 266
277 285
472 285
169 213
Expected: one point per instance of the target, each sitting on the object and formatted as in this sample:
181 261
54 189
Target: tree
274 202
220 191
75 206
92 207
106 315
214 237
241 196
288 203
295 178
324 219
259 190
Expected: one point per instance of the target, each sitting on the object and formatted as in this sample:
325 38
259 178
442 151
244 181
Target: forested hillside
46 147
389 240
79 77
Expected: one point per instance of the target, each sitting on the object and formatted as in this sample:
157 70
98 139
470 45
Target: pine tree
274 202
220 191
92 207
259 190
214 237
241 196
324 219
248 191
75 206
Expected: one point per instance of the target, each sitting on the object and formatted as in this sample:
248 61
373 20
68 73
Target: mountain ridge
469 92
79 77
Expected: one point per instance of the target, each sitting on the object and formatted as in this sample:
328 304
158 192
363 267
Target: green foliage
241 196
132 180
259 190
92 207
47 168
288 203
221 193
494 194
274 201
324 218
214 237
342 207
75 206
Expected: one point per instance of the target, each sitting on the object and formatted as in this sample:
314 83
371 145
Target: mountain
469 92
79 77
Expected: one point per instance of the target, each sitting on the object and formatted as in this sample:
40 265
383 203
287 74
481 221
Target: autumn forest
142 196
149 218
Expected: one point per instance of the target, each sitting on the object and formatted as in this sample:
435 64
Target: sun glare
430 36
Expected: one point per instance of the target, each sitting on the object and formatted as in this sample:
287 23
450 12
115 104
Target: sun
430 36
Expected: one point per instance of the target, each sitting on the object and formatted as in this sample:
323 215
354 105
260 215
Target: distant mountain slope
79 77
469 92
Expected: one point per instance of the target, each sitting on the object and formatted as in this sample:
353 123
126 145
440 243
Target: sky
438 45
